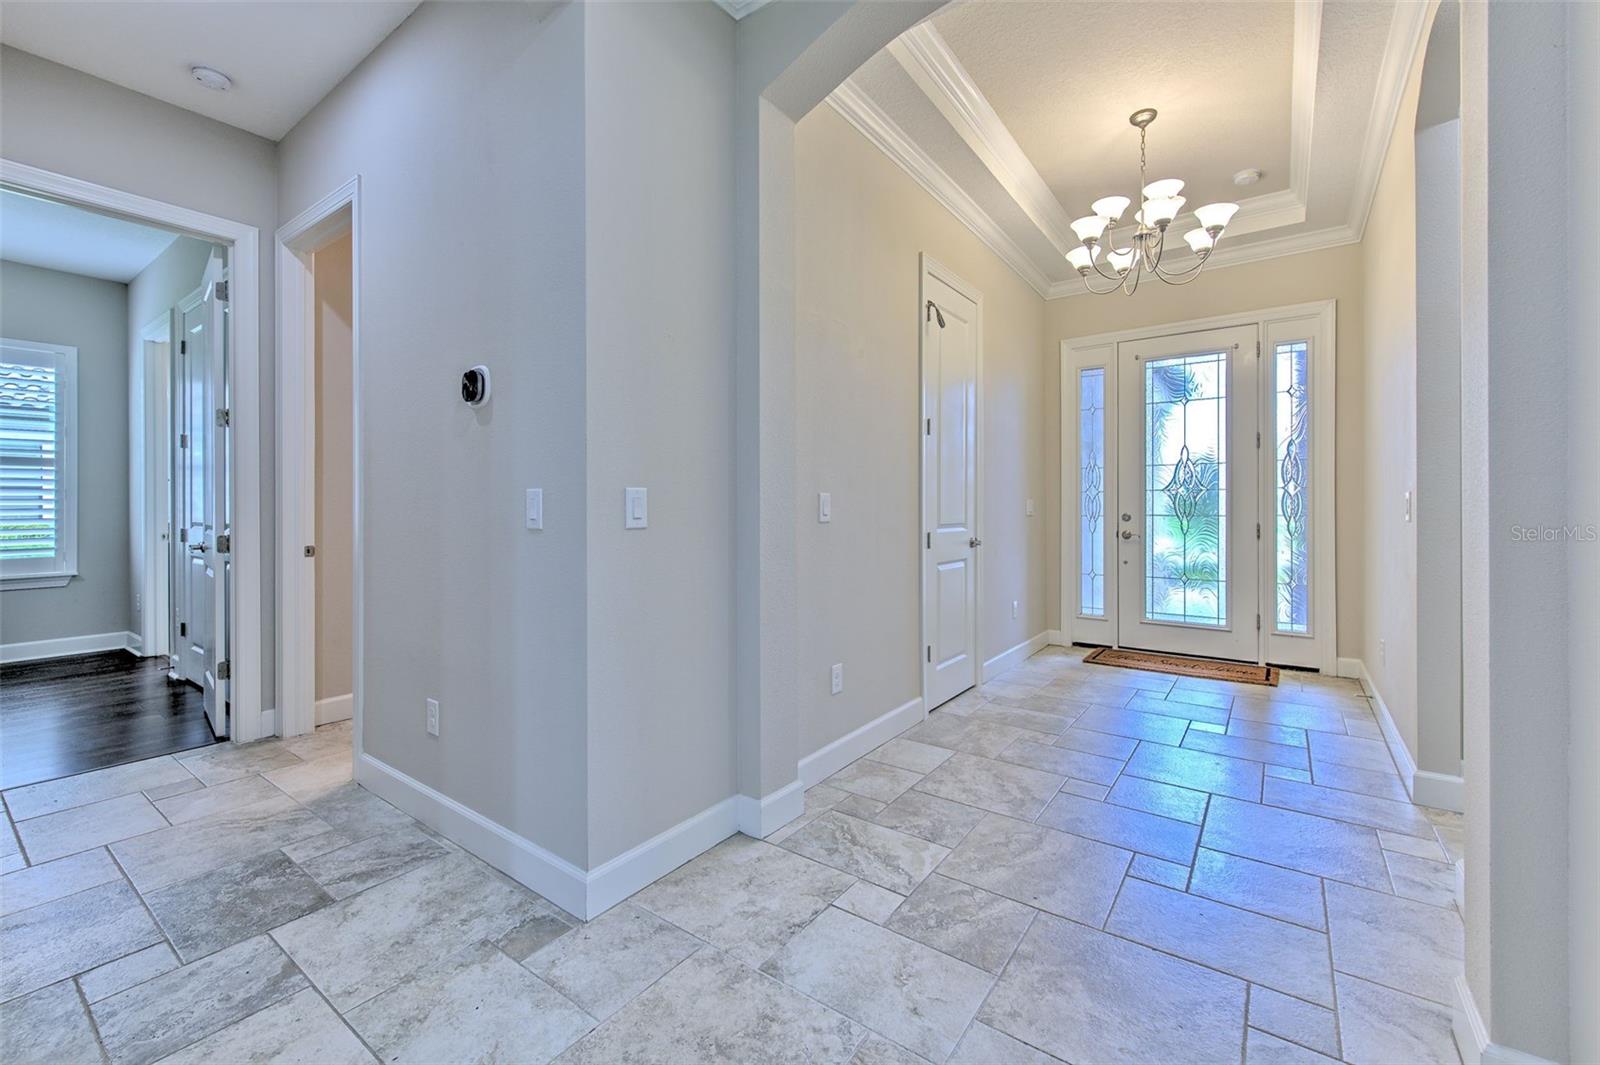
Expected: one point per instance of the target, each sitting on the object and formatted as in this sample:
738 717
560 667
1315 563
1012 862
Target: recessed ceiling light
1247 177
215 80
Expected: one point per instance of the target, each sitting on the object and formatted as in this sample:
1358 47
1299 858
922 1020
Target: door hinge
220 292
183 628
930 652
183 441
224 543
224 417
928 431
311 550
183 347
224 670
1258 438
1258 530
1258 622
930 541
1258 349
183 535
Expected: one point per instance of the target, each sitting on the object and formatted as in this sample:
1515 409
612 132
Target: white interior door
950 336
200 496
1187 525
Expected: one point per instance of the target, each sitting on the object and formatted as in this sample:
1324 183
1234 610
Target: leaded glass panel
1292 496
1091 492
1185 484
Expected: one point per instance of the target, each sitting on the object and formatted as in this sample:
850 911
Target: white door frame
244 384
927 264
297 239
150 491
1316 320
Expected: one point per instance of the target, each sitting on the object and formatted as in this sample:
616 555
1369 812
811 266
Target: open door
200 497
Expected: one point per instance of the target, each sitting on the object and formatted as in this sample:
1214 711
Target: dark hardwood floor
63 716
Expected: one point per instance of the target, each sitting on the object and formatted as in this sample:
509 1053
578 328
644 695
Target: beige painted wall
860 224
1331 273
335 495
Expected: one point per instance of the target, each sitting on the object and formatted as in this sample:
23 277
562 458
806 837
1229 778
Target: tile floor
1073 863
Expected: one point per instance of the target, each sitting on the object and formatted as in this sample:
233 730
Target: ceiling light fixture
214 80
1159 207
1247 177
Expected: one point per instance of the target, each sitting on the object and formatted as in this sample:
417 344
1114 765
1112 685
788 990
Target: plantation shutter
35 468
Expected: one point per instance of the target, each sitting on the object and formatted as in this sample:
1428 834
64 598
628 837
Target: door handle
974 542
1129 534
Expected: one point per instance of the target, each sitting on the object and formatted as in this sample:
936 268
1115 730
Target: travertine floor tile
300 1028
47 1027
1396 942
602 965
1040 867
1381 1026
969 923
884 856
55 940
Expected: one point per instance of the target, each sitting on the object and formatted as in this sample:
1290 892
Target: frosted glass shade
1161 211
1081 258
1120 260
1199 240
1089 227
1165 189
1110 207
1215 215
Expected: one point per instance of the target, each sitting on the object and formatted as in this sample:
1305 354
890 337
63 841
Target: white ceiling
56 236
1015 115
283 57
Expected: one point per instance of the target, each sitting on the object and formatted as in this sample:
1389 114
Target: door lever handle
1128 534
974 542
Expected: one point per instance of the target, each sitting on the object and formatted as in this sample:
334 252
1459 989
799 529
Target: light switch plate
433 717
836 678
1030 508
635 508
536 508
824 507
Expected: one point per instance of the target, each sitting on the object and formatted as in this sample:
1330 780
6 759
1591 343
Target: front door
1186 526
949 322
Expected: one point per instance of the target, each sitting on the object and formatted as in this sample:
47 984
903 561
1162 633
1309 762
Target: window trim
55 572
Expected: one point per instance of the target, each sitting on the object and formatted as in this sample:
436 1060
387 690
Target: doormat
1240 672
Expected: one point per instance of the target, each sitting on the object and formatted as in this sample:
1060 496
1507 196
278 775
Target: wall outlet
824 507
433 717
1014 605
836 677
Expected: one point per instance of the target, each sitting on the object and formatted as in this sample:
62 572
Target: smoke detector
214 80
1247 177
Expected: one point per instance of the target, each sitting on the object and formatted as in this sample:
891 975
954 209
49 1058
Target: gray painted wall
68 122
50 307
466 127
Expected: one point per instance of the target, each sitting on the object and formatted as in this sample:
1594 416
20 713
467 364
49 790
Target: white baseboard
1472 1035
1442 791
519 858
335 708
269 723
1350 668
34 650
759 818
613 881
1014 656
822 764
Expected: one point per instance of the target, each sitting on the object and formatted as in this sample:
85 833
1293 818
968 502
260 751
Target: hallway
1073 863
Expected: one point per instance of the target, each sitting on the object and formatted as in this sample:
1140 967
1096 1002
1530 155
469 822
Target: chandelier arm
1183 277
1098 291
1094 262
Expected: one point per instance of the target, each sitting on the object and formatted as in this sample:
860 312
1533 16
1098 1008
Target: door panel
950 472
1186 531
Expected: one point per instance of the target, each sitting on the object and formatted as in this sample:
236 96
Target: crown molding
925 55
1303 96
1237 255
860 111
1406 37
740 8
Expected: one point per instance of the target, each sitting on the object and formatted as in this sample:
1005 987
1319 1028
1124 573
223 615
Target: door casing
1314 321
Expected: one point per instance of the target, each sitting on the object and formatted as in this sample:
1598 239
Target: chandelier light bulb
1082 259
1165 189
1110 207
1214 216
1089 228
1199 241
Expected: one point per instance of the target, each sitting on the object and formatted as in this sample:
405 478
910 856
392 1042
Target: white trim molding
244 316
335 708
1426 788
1472 1035
759 818
741 8
866 116
1406 38
67 646
821 764
1014 656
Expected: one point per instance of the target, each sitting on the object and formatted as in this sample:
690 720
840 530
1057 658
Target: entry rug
1241 672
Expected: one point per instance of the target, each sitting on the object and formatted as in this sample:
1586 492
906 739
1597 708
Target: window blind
30 461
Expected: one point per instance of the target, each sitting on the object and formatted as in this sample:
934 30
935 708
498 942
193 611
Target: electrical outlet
433 717
1014 605
837 677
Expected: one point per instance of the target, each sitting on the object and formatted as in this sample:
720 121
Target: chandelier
1124 267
